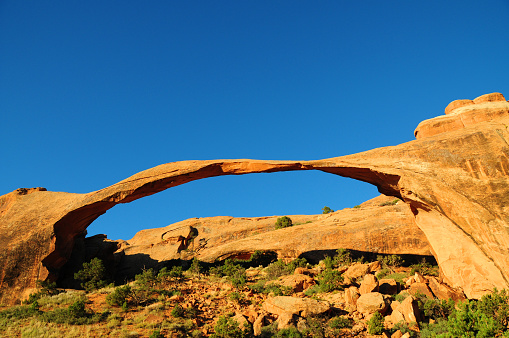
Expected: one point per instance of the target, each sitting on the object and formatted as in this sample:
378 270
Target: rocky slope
454 180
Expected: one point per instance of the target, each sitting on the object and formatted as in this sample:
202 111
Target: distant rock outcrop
454 177
375 226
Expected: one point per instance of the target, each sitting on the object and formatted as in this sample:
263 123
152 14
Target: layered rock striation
454 177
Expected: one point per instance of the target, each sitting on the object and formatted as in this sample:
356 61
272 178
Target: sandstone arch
454 177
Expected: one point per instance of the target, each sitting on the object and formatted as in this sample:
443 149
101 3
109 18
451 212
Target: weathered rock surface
454 177
303 307
371 228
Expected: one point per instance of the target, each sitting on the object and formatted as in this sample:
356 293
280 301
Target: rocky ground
338 297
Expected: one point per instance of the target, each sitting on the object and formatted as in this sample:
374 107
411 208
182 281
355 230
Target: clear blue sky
92 92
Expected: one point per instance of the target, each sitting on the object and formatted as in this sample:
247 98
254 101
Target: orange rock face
454 178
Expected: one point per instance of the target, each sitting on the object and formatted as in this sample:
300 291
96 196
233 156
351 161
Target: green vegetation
229 328
424 268
236 274
327 210
280 268
283 222
92 275
376 324
393 202
488 317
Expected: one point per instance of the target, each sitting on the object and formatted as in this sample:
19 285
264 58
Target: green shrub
179 312
342 257
404 327
357 207
195 267
279 268
339 323
437 309
330 280
229 328
237 297
424 268
438 329
236 274
176 272
383 273
390 260
119 296
327 210
283 222
376 324
278 290
146 280
20 312
393 202
92 275
156 334
290 332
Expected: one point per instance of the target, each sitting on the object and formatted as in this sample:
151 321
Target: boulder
302 307
351 295
357 270
388 286
297 282
421 288
258 324
370 303
369 284
442 291
410 310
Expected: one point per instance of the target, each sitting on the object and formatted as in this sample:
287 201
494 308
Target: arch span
455 182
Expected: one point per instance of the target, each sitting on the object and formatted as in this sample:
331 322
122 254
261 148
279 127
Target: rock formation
375 226
453 177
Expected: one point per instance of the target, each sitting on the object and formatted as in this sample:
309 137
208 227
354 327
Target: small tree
92 275
327 210
283 222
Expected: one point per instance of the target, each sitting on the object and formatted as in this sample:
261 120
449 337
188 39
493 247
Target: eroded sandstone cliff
454 177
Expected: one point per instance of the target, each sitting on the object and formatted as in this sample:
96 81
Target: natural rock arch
455 180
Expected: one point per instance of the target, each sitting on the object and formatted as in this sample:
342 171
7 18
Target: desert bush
75 314
339 323
20 312
424 268
376 324
437 329
404 328
180 312
229 328
175 273
437 309
290 332
393 202
236 274
146 280
280 268
195 267
327 210
390 260
283 222
237 297
330 280
92 275
342 257
156 334
119 296
278 290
